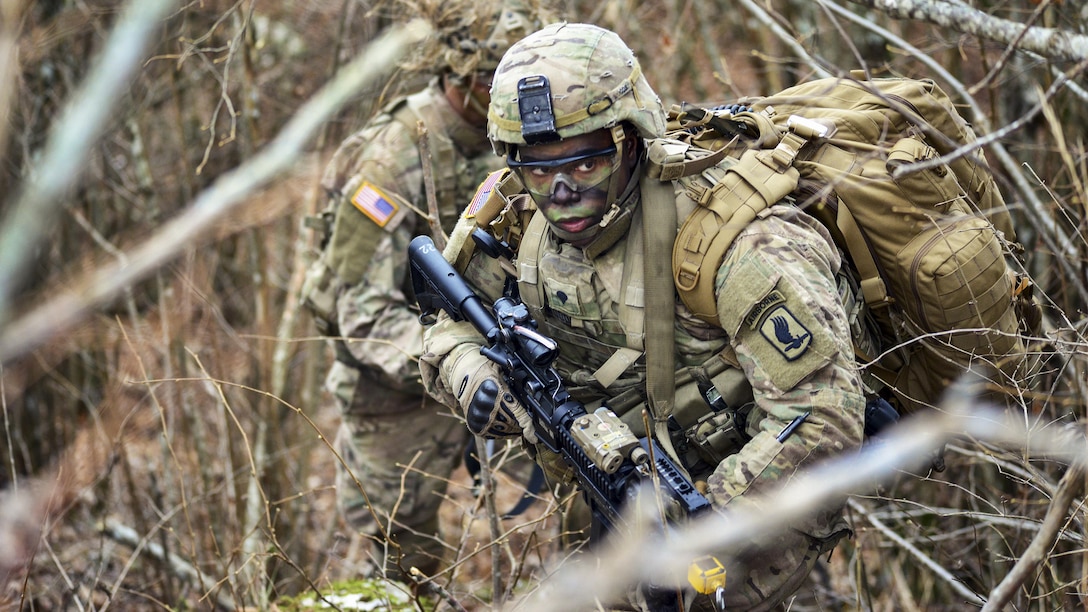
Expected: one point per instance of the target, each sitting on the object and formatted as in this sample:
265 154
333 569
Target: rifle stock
609 462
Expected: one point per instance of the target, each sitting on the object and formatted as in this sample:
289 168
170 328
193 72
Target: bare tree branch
914 552
1049 42
1036 554
124 534
787 39
214 203
625 561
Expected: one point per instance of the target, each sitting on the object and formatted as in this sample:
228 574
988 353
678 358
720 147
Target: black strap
532 488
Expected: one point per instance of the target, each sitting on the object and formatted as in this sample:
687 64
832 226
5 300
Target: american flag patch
482 192
374 204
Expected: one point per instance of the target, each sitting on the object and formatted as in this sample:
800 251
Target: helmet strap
616 221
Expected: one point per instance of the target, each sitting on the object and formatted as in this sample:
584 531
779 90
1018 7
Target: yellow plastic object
706 575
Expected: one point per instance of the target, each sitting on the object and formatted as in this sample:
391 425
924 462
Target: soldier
398 446
577 121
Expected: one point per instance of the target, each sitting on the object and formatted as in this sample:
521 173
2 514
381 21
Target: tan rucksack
932 248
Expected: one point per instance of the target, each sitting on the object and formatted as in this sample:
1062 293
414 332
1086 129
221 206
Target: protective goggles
578 172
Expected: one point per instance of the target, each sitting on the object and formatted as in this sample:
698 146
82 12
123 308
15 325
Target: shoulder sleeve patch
772 323
483 192
374 203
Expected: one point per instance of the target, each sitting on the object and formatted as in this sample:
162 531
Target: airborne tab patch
373 203
785 333
762 306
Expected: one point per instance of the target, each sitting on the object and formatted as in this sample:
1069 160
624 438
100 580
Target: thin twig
1036 553
787 39
114 530
434 219
421 579
487 493
913 550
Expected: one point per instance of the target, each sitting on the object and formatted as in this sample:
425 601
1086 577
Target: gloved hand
489 407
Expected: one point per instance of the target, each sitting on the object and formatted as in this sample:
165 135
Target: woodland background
165 442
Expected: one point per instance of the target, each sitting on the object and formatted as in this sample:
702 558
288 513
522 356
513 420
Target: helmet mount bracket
535 108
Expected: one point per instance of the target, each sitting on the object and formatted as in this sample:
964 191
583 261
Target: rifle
610 463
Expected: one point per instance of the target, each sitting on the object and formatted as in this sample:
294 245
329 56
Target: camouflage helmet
569 79
472 35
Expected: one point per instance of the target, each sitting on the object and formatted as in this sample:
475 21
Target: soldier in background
578 123
398 446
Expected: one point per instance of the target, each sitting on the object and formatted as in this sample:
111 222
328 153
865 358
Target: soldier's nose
563 194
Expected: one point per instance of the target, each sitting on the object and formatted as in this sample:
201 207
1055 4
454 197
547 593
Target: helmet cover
569 79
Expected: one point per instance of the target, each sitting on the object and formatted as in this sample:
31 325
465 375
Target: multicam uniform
398 445
782 348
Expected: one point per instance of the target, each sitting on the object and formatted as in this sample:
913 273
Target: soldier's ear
632 146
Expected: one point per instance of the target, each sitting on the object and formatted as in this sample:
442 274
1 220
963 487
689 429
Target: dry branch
127 536
1036 554
65 155
1048 42
914 552
624 561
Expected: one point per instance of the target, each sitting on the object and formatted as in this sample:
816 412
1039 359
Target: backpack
931 250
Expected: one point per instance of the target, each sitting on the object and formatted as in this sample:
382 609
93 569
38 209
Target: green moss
356 595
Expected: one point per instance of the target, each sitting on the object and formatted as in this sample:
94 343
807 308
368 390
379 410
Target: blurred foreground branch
211 205
627 561
64 158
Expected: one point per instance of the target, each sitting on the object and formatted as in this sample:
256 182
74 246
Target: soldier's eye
588 165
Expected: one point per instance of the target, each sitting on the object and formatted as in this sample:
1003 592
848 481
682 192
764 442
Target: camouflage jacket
375 182
784 342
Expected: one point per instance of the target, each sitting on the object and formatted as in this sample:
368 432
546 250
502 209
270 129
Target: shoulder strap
759 179
658 233
529 285
670 159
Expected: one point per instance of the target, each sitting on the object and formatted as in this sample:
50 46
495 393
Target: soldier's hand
490 409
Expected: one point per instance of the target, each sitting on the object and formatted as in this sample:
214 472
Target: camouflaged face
596 82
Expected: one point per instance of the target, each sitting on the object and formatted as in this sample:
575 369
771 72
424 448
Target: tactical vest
349 240
599 321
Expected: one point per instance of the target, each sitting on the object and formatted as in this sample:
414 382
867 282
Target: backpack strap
872 284
673 159
759 179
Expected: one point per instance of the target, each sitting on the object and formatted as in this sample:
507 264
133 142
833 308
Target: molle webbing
631 302
758 180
